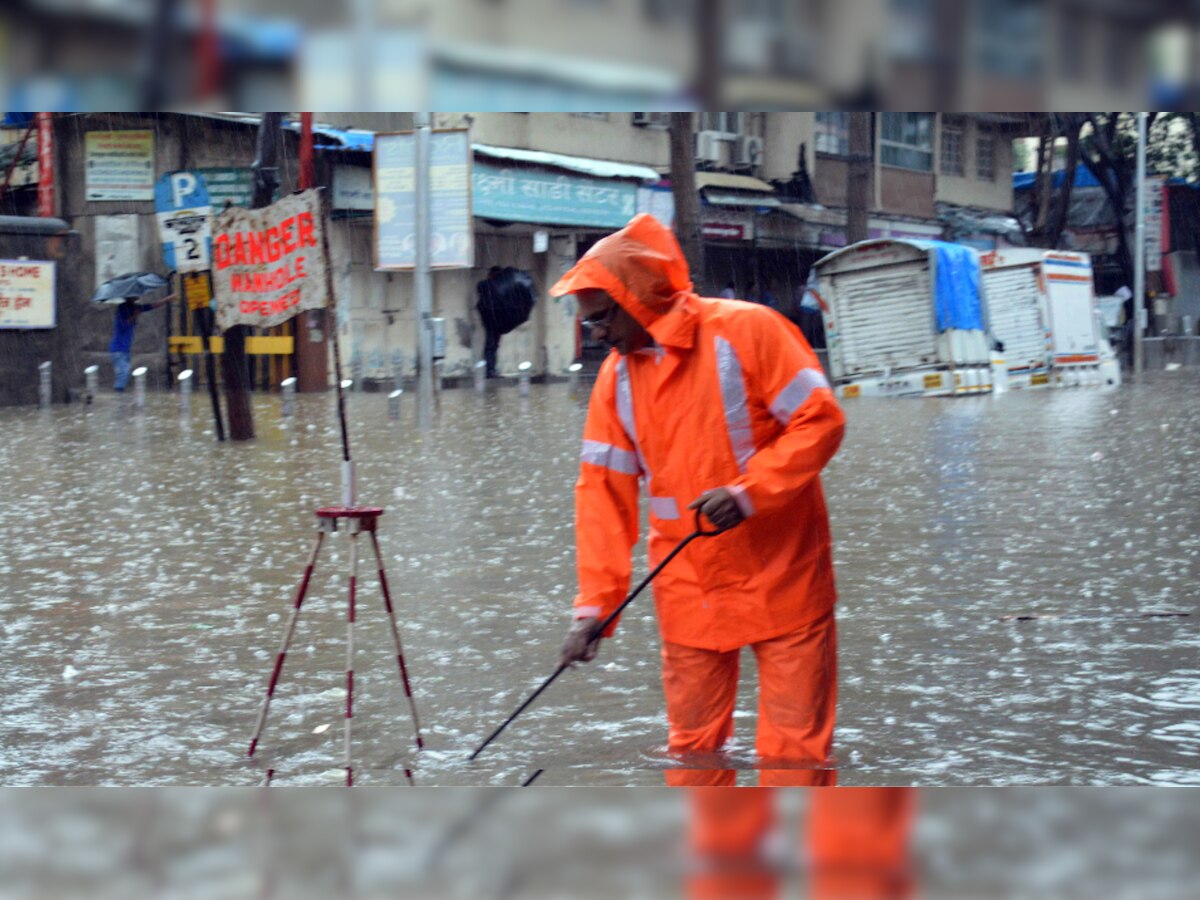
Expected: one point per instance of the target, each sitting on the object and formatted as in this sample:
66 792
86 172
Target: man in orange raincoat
718 407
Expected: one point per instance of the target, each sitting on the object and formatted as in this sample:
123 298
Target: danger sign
268 264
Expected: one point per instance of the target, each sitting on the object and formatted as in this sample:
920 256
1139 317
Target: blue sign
522 194
184 215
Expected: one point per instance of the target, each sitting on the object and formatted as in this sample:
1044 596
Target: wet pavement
1001 561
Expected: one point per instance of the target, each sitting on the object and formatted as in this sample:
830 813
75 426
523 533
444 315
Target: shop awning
597 168
732 182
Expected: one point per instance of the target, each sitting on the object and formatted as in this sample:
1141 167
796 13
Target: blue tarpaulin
956 291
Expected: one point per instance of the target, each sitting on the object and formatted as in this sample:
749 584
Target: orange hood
643 268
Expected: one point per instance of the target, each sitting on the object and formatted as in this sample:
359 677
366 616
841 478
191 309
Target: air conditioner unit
652 119
748 151
708 146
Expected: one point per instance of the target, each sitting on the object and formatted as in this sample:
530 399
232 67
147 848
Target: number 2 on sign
193 248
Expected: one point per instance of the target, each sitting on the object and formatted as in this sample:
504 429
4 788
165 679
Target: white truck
905 318
1042 308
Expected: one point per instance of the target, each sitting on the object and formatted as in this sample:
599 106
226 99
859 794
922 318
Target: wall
615 138
377 311
783 134
906 193
180 142
968 189
22 351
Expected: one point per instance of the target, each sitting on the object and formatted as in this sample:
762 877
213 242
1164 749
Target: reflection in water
589 842
146 574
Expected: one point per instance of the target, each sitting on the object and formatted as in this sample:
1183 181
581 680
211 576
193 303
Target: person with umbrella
506 298
124 293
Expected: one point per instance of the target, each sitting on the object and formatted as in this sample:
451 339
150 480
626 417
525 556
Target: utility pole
233 360
1139 251
157 56
422 280
687 202
858 180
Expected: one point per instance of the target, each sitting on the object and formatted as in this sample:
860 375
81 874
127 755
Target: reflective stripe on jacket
731 396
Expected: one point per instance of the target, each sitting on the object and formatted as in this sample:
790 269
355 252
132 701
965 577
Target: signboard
197 289
183 213
228 186
542 195
118 251
352 188
269 264
451 243
119 165
1155 197
26 294
723 231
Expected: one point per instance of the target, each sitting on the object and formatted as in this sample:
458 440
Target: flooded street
146 575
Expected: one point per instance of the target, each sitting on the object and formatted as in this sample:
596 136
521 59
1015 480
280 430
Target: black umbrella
135 284
506 301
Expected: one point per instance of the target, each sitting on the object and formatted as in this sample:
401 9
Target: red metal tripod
359 519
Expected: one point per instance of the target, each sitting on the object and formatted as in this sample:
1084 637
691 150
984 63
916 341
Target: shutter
885 318
1015 315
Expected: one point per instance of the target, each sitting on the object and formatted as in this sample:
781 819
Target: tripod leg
387 602
350 614
287 641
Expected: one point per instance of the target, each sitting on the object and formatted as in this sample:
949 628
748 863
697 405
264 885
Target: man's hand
719 507
582 642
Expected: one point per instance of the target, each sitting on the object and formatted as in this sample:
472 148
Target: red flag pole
47 207
208 52
307 174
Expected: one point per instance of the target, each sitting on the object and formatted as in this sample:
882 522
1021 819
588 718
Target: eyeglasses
603 319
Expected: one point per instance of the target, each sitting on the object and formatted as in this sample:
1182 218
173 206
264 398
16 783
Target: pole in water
91 380
524 371
287 397
480 373
139 387
45 389
699 532
394 399
185 392
573 371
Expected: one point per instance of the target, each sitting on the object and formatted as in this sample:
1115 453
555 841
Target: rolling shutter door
885 318
1016 318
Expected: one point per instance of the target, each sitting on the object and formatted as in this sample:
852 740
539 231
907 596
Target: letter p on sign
183 184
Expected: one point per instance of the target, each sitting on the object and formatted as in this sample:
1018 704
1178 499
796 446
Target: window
907 141
724 122
953 162
600 116
833 133
985 157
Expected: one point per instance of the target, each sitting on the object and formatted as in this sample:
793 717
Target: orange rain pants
797 674
857 843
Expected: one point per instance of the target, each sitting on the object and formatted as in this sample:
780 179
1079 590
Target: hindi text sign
119 165
26 294
269 264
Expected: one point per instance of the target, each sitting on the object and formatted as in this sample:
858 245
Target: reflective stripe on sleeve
625 414
798 390
733 398
610 457
664 507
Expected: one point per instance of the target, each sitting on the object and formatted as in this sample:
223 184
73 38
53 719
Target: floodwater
147 573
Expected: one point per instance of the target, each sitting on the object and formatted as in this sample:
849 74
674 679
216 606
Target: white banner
26 294
269 263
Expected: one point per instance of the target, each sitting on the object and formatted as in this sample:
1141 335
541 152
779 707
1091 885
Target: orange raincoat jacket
732 396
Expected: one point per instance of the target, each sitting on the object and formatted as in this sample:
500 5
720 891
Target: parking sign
184 221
